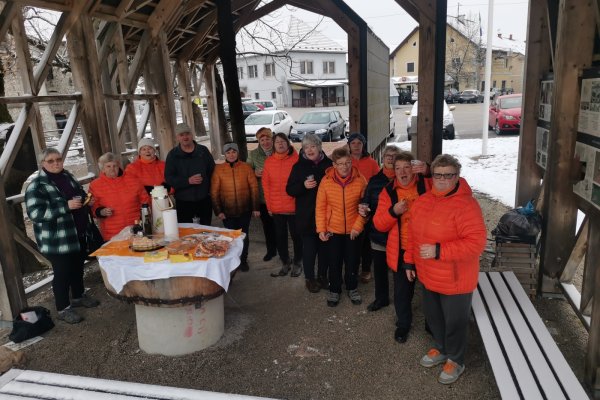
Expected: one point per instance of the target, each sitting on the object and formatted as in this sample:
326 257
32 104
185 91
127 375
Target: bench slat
504 380
530 347
561 368
522 373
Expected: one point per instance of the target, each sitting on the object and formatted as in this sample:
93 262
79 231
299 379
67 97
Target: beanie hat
264 132
358 136
182 128
230 146
145 142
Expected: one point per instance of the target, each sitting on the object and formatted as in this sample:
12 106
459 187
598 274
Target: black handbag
93 237
23 330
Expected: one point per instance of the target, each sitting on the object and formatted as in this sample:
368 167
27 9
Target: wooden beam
184 88
575 25
424 137
13 144
579 250
262 11
410 8
592 280
207 24
9 11
537 64
70 129
39 99
213 113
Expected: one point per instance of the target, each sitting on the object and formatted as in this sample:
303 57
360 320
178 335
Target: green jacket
53 223
256 159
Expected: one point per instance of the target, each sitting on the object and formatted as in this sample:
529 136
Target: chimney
510 37
500 35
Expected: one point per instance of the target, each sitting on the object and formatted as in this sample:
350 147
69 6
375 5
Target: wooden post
592 279
424 137
213 113
575 25
184 86
537 63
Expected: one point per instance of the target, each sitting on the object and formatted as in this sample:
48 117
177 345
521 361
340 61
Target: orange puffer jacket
147 174
367 166
455 223
337 204
234 189
385 220
274 180
124 195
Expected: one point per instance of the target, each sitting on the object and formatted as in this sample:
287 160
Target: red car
505 114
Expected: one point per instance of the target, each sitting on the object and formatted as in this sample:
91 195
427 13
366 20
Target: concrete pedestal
179 330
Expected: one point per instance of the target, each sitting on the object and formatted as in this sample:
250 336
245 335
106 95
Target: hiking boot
365 277
433 358
69 316
333 299
297 269
285 269
450 372
313 285
354 297
85 301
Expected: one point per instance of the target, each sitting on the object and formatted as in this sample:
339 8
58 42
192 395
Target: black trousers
268 229
342 251
380 277
242 222
448 319
283 223
404 291
68 277
313 248
366 257
187 210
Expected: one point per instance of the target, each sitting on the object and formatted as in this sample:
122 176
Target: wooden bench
526 362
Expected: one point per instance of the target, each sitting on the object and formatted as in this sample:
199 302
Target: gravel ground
282 342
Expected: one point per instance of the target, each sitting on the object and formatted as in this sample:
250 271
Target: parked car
470 96
265 104
277 120
404 96
451 95
247 109
414 97
505 114
447 123
327 124
392 125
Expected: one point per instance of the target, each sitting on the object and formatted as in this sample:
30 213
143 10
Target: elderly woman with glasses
60 220
302 185
118 197
339 223
446 237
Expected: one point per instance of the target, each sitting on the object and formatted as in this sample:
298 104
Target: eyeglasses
445 176
346 164
54 160
389 156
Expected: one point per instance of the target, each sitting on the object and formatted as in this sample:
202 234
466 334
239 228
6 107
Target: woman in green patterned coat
54 201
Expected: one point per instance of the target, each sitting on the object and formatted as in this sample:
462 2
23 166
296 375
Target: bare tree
464 51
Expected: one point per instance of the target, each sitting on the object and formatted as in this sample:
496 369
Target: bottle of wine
137 227
146 219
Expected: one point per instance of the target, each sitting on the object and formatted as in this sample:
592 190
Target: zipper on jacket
344 205
234 188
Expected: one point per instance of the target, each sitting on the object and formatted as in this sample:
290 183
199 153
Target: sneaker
85 301
69 316
450 373
365 277
433 358
313 285
297 269
333 299
354 297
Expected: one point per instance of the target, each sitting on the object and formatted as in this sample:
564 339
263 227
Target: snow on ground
494 174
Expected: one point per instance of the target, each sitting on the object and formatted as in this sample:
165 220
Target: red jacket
385 220
147 174
274 180
124 195
337 203
367 167
455 222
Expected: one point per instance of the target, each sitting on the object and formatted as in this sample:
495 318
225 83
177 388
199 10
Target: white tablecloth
120 270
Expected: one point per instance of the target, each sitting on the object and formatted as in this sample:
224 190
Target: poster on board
542 137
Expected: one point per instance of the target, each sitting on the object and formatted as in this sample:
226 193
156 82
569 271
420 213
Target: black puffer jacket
306 198
374 188
181 165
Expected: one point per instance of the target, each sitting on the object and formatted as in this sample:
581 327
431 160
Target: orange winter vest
274 180
455 222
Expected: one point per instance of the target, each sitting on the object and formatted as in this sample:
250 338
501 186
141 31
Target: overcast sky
391 23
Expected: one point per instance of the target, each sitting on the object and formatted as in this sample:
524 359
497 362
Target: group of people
342 213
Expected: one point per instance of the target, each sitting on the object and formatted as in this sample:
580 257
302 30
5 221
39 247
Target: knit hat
358 136
264 132
182 128
229 146
145 142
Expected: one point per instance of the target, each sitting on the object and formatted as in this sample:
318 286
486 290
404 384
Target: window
410 67
329 67
256 96
456 62
240 72
306 67
503 84
273 95
252 71
270 69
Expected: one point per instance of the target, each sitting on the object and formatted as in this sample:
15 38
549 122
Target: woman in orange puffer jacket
147 169
117 198
446 237
281 205
234 195
339 223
